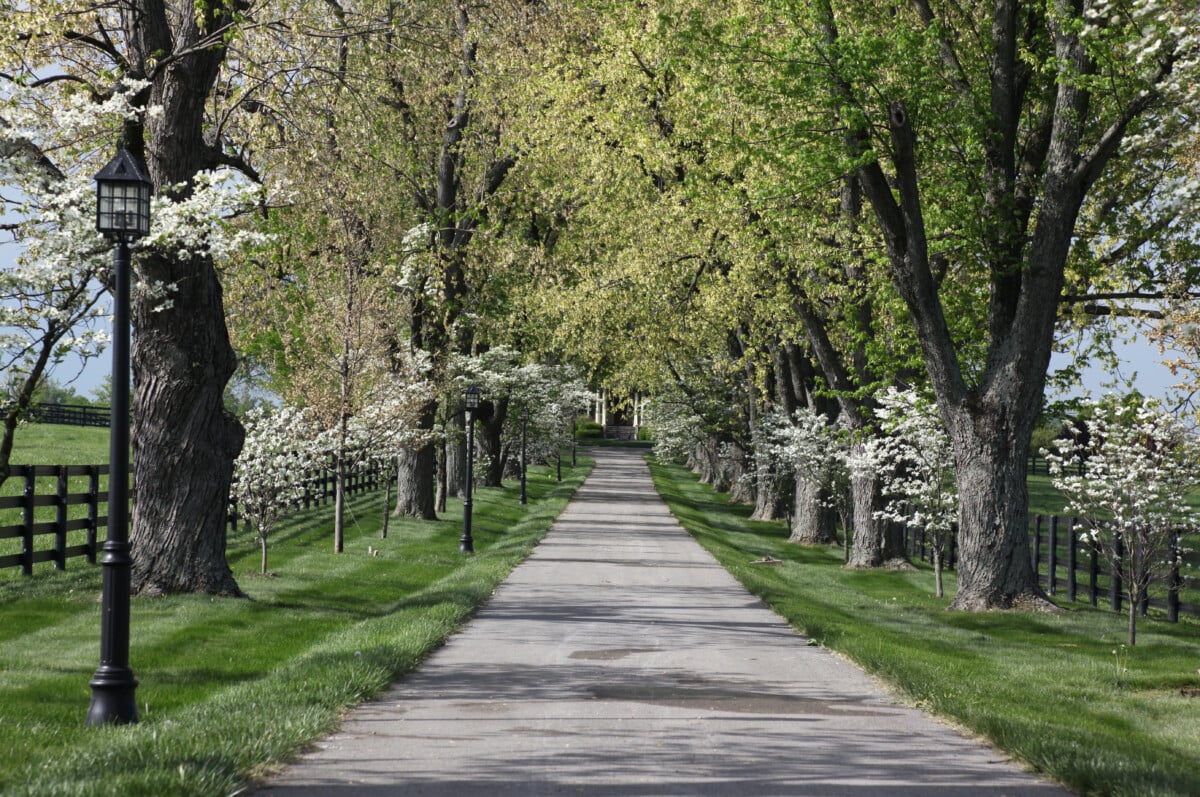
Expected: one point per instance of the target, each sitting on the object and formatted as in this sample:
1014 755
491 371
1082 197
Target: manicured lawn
1055 690
57 444
230 687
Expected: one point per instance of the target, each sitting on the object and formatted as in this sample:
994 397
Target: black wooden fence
68 414
1070 568
62 498
77 490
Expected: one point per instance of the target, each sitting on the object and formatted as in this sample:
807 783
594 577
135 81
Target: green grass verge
228 687
1047 688
56 444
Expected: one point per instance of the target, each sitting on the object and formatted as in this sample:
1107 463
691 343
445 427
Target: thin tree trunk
1134 601
339 503
937 570
443 450
387 506
262 539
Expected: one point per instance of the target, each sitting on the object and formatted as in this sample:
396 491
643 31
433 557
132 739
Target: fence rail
80 488
67 414
1068 567
62 499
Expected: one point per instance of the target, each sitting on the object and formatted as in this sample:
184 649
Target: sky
1139 360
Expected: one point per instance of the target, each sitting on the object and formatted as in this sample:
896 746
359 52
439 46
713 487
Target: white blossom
1127 470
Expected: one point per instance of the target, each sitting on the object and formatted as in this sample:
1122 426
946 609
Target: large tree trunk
415 476
184 441
456 455
490 439
774 495
876 542
814 522
994 571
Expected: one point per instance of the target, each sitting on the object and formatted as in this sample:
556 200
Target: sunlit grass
1048 688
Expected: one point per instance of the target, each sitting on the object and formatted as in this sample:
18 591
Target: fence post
60 520
1072 547
1036 553
1173 581
1052 556
27 521
1093 572
1114 577
93 510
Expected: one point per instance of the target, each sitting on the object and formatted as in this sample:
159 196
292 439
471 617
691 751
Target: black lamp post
122 215
524 429
467 543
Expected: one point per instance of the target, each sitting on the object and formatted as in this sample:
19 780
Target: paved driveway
621 660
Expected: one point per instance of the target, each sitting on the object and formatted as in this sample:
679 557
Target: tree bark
775 492
877 542
184 441
994 571
415 475
814 521
490 439
456 455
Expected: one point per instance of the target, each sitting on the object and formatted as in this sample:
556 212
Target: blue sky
1140 361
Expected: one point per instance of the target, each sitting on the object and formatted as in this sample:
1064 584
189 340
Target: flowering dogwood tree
817 452
550 394
385 428
915 461
1138 463
282 447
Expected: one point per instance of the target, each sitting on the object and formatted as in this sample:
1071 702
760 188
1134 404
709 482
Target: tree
988 140
913 457
816 449
1127 470
50 297
167 58
281 452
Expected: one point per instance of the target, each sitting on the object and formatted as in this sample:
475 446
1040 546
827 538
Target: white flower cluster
809 445
915 462
282 448
678 429
550 394
1126 471
198 223
1138 464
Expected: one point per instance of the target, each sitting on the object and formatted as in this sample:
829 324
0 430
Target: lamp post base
113 701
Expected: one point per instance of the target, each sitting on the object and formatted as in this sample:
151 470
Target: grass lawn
1057 691
56 444
230 687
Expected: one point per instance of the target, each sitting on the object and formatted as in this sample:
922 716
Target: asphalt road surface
621 660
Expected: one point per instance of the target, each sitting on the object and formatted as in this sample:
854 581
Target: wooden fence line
319 489
1059 557
67 414
27 531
